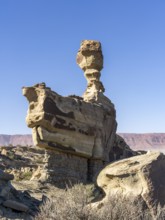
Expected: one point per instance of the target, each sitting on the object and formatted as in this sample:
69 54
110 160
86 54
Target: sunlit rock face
141 177
70 124
90 60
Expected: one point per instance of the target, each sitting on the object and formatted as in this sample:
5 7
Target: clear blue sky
39 40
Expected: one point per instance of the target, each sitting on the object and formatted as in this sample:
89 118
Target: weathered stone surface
16 205
90 60
81 126
5 189
140 176
11 199
81 130
70 124
5 176
61 169
48 166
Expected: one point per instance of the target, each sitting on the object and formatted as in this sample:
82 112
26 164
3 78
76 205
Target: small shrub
67 204
11 155
74 204
25 175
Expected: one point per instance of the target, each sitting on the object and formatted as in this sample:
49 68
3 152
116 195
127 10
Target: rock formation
70 124
90 60
78 130
140 176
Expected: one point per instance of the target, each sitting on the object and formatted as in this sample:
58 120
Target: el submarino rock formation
79 130
75 138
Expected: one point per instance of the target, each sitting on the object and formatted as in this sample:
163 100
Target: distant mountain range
23 140
150 141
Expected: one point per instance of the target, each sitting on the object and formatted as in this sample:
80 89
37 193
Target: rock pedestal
62 169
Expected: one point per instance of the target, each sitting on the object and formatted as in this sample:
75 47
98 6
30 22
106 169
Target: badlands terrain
148 141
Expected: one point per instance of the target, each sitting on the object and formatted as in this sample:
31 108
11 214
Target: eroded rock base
62 169
48 166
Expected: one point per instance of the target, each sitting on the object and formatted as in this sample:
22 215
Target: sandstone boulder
139 176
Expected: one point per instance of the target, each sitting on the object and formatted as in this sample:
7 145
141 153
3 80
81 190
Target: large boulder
139 176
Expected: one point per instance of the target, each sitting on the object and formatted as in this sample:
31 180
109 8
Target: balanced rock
81 126
84 127
79 130
139 176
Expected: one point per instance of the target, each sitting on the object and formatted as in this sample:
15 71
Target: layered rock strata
39 166
70 124
90 60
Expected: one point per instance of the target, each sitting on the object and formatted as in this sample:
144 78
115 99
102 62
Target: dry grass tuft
73 204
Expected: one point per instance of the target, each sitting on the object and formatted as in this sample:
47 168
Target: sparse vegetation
11 155
74 203
26 175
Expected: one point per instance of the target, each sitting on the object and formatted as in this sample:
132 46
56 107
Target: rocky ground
26 164
21 192
24 186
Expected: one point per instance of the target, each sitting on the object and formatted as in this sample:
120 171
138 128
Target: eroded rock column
90 60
